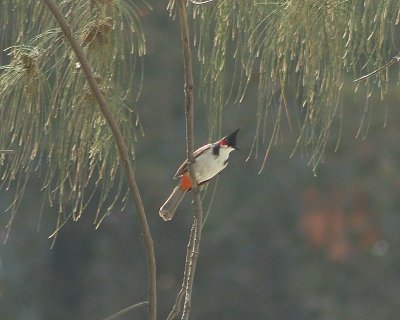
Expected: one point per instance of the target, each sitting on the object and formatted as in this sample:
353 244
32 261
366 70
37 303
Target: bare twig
200 2
195 234
191 262
177 306
387 65
7 151
125 310
178 301
123 152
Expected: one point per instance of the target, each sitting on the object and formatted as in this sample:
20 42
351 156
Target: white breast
208 165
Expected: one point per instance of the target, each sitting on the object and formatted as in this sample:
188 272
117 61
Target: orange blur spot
185 182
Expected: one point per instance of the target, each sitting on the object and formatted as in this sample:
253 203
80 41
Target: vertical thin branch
176 309
191 262
123 152
195 236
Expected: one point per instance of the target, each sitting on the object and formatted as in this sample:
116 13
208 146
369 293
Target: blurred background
283 244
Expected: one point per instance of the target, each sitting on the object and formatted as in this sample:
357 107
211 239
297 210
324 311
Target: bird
209 160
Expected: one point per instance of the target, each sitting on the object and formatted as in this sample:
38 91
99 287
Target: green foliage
292 48
297 54
47 112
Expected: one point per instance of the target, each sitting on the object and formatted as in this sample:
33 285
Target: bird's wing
181 170
184 167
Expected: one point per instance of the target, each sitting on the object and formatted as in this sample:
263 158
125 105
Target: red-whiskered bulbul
210 160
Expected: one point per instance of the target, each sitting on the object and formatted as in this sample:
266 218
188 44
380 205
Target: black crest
231 139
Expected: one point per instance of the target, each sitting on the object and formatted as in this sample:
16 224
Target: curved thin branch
125 310
387 65
200 2
123 152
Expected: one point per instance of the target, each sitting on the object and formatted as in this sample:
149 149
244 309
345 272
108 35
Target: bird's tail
168 209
